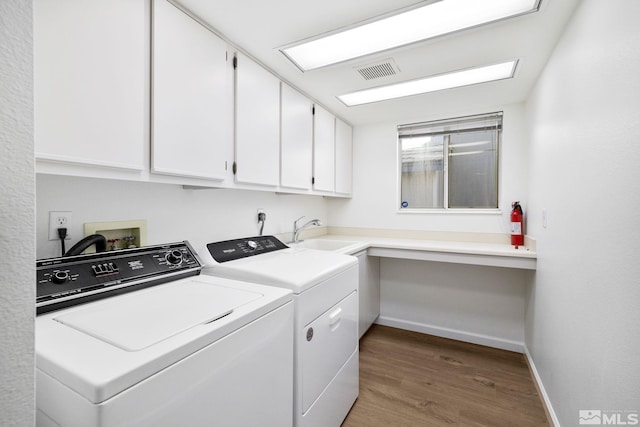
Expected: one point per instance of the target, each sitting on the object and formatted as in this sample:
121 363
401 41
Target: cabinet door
296 139
192 97
90 75
257 124
323 150
344 157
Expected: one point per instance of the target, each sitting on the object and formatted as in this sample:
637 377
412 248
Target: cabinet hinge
234 168
235 62
313 110
313 180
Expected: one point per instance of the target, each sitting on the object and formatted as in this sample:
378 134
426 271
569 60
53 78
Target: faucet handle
296 221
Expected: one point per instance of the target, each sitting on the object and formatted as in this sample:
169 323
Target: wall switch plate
59 219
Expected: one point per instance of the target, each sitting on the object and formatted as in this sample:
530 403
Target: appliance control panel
230 250
66 281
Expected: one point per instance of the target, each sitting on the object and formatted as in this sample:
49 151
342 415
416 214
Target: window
450 164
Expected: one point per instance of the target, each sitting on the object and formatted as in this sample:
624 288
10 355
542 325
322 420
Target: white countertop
477 253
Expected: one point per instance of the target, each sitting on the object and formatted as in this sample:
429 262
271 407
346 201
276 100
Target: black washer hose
95 239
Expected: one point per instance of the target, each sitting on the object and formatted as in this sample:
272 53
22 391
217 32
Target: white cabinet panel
323 150
344 157
368 291
90 75
192 97
257 124
296 139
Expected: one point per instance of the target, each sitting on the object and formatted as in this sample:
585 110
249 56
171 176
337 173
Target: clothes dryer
324 286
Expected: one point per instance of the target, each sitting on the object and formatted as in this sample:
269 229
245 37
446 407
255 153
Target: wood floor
412 379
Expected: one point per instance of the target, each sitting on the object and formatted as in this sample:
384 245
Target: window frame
446 209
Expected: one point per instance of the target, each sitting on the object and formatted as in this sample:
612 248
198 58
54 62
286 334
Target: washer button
174 257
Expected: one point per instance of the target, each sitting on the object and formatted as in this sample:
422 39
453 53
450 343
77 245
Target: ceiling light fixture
420 23
451 80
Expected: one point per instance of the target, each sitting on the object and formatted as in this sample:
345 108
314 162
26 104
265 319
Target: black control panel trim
86 297
67 281
229 250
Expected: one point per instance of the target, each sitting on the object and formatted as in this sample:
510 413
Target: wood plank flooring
412 379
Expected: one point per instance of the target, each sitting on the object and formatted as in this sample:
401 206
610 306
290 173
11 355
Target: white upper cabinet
141 90
296 139
323 150
344 157
192 116
257 124
90 76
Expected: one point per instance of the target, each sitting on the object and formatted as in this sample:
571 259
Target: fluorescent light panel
460 78
421 23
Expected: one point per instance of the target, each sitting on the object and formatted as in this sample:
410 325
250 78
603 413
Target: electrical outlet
59 219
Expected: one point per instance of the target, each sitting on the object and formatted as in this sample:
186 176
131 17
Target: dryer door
326 345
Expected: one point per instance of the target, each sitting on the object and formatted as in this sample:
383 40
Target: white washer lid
137 321
297 269
92 365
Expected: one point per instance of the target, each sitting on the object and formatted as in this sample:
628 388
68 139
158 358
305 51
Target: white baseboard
454 334
551 414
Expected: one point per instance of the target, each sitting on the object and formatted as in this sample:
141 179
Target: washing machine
139 337
324 286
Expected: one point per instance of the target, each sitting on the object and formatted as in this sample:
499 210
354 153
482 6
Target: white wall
583 322
484 305
375 180
472 303
172 213
17 271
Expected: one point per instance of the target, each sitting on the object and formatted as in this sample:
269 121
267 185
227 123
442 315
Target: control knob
174 257
252 245
59 277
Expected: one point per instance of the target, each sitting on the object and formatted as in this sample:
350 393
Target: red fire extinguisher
517 226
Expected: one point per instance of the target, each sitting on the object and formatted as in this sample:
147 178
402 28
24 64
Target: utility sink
325 244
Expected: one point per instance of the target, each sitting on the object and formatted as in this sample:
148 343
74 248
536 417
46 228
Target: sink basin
324 244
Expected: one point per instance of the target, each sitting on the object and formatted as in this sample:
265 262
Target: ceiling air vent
384 68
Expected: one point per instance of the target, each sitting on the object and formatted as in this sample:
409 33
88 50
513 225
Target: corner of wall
17 272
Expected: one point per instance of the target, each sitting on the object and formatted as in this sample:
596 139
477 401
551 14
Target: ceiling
259 27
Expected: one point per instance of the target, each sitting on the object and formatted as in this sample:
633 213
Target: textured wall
17 253
584 119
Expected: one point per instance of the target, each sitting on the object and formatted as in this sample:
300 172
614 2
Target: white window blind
450 164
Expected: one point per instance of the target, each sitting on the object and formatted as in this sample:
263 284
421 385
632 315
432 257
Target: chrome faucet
297 230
